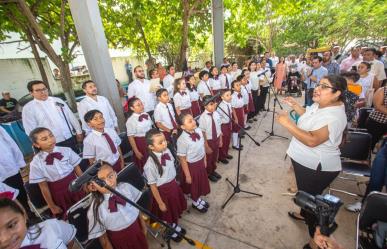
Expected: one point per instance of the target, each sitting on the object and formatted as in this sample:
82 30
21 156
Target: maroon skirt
117 166
61 195
131 237
195 108
174 200
200 185
212 158
142 147
186 111
226 139
241 119
251 107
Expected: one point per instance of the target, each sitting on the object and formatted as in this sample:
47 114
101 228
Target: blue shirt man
314 77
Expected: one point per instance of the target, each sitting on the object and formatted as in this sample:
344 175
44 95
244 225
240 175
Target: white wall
119 66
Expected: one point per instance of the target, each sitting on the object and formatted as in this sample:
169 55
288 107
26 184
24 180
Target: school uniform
119 220
225 81
165 115
8 192
48 114
226 127
245 96
191 146
57 169
216 85
103 146
141 89
51 233
168 83
250 105
182 101
195 104
210 123
102 104
204 88
170 193
137 125
237 103
254 84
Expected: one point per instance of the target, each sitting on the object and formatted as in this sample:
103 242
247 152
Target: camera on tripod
323 207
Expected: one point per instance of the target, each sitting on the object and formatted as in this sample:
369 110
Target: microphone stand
169 228
236 187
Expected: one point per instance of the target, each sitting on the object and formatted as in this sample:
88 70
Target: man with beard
331 65
92 101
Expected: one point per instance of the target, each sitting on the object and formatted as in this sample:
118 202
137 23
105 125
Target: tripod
271 133
236 187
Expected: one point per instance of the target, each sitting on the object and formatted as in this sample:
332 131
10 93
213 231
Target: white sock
177 228
235 140
196 203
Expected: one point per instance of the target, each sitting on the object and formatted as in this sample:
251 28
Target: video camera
323 207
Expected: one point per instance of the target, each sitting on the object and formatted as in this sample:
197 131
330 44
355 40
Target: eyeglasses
41 90
324 86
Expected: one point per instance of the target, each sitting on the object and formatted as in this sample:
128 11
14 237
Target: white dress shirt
161 114
96 146
48 114
223 82
41 172
50 233
192 150
205 124
245 94
194 95
11 159
101 104
4 188
136 128
152 174
377 68
222 108
366 84
254 80
204 88
215 84
182 101
235 101
114 221
141 89
327 153
168 83
235 74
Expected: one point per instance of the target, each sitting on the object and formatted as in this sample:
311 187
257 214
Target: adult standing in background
314 75
331 65
51 113
169 80
352 60
128 69
274 59
7 104
377 67
161 71
280 75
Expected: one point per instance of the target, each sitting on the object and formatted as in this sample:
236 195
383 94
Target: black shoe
241 146
250 121
224 161
247 128
255 119
205 204
229 157
216 175
201 210
177 238
212 178
236 148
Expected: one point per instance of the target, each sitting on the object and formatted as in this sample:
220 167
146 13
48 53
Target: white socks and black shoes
199 206
204 203
176 237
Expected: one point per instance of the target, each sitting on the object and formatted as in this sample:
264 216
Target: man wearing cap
7 104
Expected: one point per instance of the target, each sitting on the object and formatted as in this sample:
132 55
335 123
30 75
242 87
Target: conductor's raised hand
283 118
290 101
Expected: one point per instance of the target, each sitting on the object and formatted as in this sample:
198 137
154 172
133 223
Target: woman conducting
314 148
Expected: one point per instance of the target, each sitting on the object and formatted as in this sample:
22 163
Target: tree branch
10 42
75 44
22 49
194 6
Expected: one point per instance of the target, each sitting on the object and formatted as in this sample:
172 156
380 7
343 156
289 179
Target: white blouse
224 107
215 83
245 94
205 124
182 101
192 150
366 84
204 88
53 234
237 102
327 153
152 174
194 95
254 80
136 128
161 114
114 221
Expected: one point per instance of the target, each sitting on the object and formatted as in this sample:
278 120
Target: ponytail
149 140
156 161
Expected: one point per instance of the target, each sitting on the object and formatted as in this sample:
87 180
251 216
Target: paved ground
253 222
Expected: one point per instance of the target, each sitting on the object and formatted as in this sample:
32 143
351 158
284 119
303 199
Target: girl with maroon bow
181 99
16 232
215 81
168 199
192 157
238 113
54 168
114 222
138 123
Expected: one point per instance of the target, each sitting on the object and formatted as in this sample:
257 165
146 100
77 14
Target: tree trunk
184 38
67 85
150 61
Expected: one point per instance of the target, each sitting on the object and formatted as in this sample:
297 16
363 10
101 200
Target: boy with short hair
164 115
225 112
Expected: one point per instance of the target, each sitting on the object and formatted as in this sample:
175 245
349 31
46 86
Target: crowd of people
193 120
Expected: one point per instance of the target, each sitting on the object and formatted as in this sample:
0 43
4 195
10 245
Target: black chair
355 158
37 201
364 112
132 175
374 209
125 147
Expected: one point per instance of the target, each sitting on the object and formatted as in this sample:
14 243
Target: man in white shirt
141 88
274 59
169 80
207 67
51 113
377 67
92 101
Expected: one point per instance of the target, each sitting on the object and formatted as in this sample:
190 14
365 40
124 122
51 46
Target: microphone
86 177
260 74
59 104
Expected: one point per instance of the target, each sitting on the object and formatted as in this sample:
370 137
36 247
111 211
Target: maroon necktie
164 158
194 136
50 157
209 88
183 93
239 95
229 113
6 195
142 117
172 120
31 247
110 142
227 84
114 200
213 127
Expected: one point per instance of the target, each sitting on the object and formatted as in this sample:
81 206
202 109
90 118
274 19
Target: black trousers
313 182
376 129
262 99
256 101
70 143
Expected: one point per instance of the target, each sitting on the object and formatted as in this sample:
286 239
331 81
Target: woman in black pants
314 148
377 120
264 84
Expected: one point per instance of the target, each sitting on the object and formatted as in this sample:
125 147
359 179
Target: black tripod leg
251 193
231 196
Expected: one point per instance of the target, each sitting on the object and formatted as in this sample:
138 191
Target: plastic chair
125 147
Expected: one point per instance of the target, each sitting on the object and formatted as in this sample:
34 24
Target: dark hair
373 50
211 74
90 115
135 68
149 140
169 67
34 82
176 83
339 84
130 104
319 58
367 64
202 73
351 75
223 66
224 91
207 62
207 100
244 71
189 86
88 81
160 91
251 62
240 77
33 136
232 64
180 120
152 71
379 53
234 82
